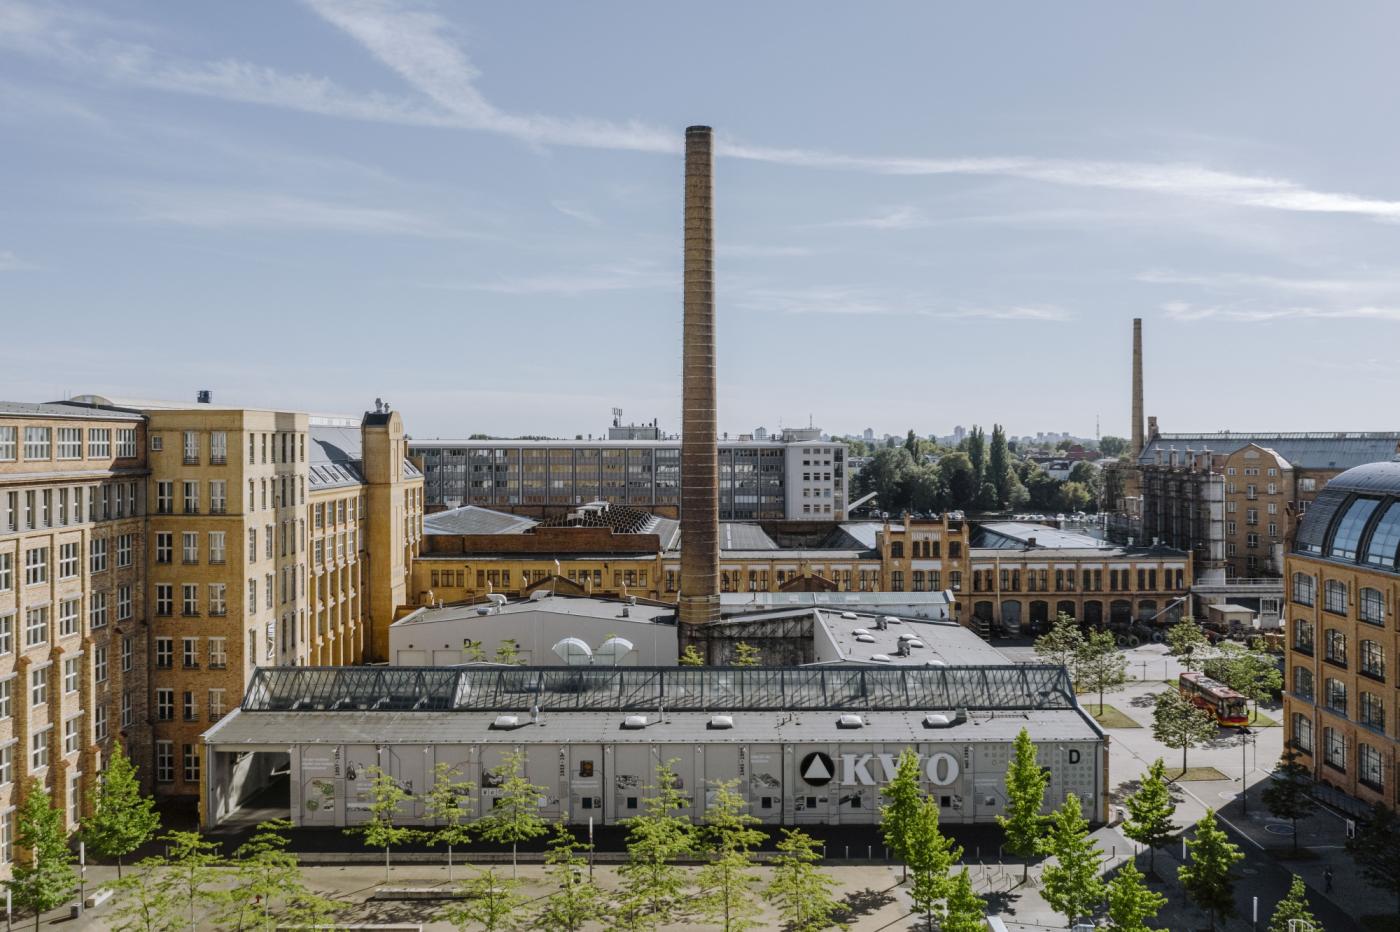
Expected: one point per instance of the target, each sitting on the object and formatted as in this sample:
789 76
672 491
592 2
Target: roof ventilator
634 722
721 721
850 720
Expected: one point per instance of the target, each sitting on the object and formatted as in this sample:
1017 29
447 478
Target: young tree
1376 850
122 819
1179 724
1293 908
1206 876
964 910
1150 811
491 903
690 657
799 889
931 855
141 902
1251 673
999 467
727 882
746 655
1186 640
1130 903
904 794
576 900
1072 884
447 803
656 838
515 812
386 798
42 876
268 890
1099 666
508 652
193 871
1286 795
1025 797
1061 644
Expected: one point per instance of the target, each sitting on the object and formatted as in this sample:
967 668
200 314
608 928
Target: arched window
1335 597
1371 604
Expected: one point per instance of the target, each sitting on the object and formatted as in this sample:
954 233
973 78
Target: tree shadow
864 902
1000 902
1145 701
1128 787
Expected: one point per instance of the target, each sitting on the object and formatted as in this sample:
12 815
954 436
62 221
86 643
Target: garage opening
248 787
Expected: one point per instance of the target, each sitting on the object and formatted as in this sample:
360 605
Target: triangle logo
817 769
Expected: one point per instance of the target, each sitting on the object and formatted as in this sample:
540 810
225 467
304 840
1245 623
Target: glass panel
1349 528
1385 539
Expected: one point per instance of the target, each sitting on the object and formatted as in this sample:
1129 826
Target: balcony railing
191 460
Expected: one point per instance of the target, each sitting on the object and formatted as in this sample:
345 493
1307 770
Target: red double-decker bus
1228 706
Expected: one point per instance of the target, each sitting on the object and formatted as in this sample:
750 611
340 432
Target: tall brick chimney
699 593
1138 439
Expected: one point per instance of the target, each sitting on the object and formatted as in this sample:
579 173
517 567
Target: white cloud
1182 311
862 302
759 251
1230 280
230 209
617 278
578 213
903 217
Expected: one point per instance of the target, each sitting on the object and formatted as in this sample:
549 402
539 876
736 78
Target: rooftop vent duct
612 651
506 721
850 720
633 722
722 721
860 631
574 652
865 638
880 658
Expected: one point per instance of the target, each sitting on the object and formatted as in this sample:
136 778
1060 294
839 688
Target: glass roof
1347 536
496 689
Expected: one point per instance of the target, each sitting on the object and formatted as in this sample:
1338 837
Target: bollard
870 852
848 852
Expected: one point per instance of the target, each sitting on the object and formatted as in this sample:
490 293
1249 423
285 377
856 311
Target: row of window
40 445
1337 754
35 509
1068 581
1370 602
69 617
165 705
925 549
165 762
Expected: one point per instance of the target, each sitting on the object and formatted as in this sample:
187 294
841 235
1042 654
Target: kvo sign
818 768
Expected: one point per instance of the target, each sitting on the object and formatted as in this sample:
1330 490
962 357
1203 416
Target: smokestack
699 594
1138 440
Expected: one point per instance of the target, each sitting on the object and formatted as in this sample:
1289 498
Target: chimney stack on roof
1138 439
699 591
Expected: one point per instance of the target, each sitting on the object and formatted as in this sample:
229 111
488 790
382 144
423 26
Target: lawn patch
1261 720
1109 717
1195 774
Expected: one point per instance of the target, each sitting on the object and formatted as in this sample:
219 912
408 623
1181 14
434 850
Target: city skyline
247 200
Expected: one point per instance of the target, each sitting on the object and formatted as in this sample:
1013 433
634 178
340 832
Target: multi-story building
73 614
798 477
1343 578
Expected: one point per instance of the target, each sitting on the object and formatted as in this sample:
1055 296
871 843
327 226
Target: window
128 716
191 492
165 704
1371 604
189 603
71 733
99 723
70 443
1303 683
1382 548
216 704
190 707
218 601
39 749
68 614
36 566
7 633
165 762
7 765
165 497
1349 527
36 626
67 561
7 572
37 443
99 443
268 536
71 674
1335 597
218 653
97 556
99 664
126 443
1373 659
218 447
1336 647
1302 732
124 550
1334 749
127 654
124 609
165 653
97 615
1368 766
191 448
7 690
1373 711
216 546
165 547
218 496
8 440
39 686
1304 589
1336 696
190 546
190 652
165 599
191 763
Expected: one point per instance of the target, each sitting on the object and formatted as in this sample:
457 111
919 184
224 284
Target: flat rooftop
586 606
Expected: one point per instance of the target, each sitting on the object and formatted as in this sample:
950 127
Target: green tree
923 490
382 830
1025 797
1206 875
1293 908
911 443
576 900
490 902
122 819
904 793
959 477
656 838
1177 723
514 815
1150 810
508 652
976 442
746 655
1286 795
1130 903
884 475
727 881
999 467
1090 477
193 873
1099 666
690 657
1073 496
964 910
41 877
1186 640
1113 447
448 802
141 902
1251 673
1062 644
1072 884
931 855
1376 850
268 890
799 889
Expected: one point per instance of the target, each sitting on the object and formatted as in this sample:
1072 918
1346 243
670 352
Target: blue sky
927 214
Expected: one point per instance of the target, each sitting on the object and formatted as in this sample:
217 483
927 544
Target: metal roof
63 409
587 606
1307 450
1013 535
1373 481
471 519
1023 687
336 459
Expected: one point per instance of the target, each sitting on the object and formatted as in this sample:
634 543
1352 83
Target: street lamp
1246 739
